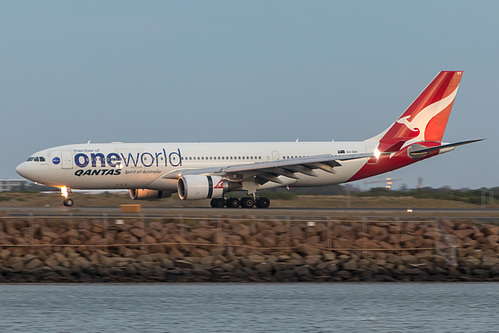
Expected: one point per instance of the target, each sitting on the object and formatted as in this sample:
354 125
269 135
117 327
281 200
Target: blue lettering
94 156
97 172
113 160
135 159
130 157
157 158
144 163
175 158
166 158
78 162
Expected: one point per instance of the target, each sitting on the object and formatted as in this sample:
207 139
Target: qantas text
100 172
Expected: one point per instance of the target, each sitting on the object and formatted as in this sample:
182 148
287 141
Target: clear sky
164 71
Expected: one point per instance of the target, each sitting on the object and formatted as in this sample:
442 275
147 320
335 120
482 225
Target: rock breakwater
132 249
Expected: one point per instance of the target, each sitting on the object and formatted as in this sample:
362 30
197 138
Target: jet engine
137 194
201 187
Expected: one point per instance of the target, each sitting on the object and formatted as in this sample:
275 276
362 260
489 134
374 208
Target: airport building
14 185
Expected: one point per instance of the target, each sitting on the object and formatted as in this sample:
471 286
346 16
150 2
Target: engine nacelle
137 194
201 187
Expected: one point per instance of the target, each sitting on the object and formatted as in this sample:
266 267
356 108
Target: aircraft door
275 156
67 159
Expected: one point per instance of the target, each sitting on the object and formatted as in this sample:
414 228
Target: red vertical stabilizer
423 122
426 118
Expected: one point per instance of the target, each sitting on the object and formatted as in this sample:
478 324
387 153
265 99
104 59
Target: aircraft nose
23 170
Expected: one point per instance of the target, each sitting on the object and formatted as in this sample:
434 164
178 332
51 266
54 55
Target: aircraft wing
269 171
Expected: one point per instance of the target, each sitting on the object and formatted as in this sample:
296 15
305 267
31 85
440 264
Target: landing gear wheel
232 203
262 202
217 202
247 202
68 202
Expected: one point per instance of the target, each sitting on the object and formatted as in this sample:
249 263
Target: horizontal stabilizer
450 146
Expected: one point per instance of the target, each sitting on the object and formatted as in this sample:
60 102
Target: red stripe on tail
426 118
423 122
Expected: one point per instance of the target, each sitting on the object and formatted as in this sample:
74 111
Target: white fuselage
141 165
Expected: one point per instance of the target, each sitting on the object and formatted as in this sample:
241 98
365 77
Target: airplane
212 170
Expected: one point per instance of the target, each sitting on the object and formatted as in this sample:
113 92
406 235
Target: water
303 307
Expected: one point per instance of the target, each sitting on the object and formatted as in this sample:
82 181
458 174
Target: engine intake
201 187
138 194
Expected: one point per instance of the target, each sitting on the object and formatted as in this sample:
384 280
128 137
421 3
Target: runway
489 214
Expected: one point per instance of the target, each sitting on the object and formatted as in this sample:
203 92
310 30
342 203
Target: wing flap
268 177
305 169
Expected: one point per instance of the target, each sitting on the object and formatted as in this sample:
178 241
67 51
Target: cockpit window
36 159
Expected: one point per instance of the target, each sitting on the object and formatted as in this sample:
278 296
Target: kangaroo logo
408 124
420 121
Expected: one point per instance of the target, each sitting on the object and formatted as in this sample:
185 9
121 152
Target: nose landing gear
65 192
68 202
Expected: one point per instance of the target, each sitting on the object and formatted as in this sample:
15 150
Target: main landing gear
65 192
245 202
